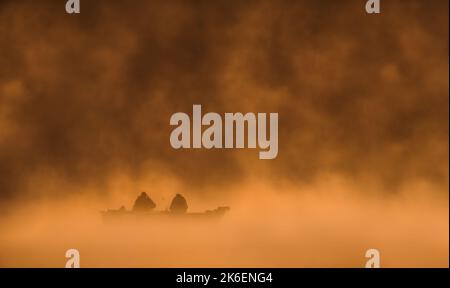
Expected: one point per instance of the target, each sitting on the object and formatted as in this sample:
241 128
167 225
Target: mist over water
264 228
85 105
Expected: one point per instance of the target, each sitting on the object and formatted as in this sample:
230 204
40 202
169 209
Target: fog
315 228
84 98
85 105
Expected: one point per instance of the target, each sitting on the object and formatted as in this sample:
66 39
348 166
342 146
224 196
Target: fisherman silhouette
179 204
178 209
143 203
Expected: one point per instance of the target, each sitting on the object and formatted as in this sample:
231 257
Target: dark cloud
85 95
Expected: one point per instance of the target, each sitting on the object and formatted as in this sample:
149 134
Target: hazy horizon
363 149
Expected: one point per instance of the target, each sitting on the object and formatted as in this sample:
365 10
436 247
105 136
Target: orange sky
85 103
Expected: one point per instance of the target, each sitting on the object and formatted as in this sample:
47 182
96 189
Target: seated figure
179 204
143 203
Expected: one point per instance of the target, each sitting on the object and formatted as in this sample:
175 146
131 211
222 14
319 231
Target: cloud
87 97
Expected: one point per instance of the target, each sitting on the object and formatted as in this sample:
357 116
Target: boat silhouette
144 207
